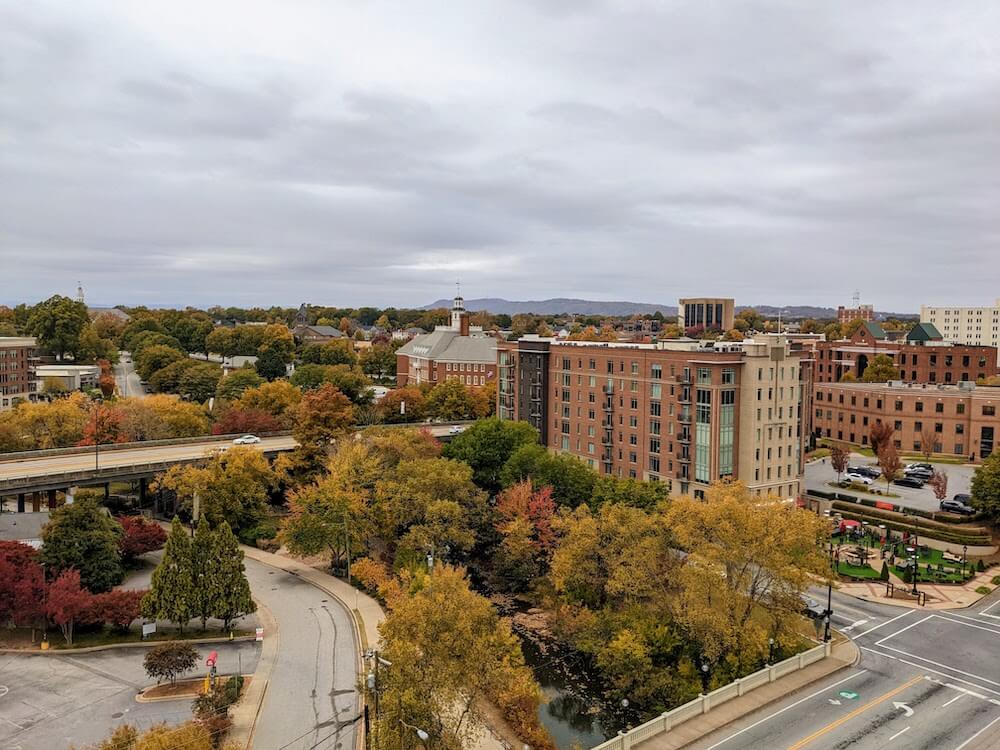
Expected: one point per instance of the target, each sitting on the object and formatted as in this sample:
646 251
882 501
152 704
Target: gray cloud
371 154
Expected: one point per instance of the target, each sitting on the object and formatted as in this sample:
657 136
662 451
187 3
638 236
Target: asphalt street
45 465
311 700
926 680
50 702
818 476
129 383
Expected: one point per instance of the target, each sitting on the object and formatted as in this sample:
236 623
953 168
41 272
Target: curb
261 678
141 698
112 646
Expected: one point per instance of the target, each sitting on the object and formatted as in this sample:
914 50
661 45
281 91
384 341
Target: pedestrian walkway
844 654
953 596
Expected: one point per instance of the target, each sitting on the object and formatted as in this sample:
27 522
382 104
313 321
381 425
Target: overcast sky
351 152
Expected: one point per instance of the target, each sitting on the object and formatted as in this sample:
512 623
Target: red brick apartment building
962 418
18 359
924 357
677 412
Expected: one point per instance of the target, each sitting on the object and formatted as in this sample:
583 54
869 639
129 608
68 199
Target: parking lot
818 475
55 701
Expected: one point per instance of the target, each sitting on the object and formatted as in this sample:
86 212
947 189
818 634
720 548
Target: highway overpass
35 473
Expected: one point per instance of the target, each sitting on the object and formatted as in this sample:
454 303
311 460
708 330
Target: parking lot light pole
829 611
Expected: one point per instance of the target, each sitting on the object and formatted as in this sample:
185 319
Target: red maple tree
66 602
140 536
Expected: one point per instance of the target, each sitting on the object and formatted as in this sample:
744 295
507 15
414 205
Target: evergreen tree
231 597
171 596
204 560
82 536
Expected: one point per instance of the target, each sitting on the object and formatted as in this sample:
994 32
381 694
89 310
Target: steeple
459 315
79 292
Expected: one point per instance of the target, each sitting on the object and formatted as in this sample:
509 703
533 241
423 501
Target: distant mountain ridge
571 306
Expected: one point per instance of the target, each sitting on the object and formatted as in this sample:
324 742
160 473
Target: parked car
955 506
456 430
860 479
926 467
866 471
910 481
919 474
963 498
246 440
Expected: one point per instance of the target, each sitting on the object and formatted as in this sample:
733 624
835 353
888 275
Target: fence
704 703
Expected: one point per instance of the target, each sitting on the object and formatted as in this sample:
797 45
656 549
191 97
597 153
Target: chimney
463 324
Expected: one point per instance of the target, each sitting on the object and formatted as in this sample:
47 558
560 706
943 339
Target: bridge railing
667 721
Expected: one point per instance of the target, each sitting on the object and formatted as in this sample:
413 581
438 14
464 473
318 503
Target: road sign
849 694
260 634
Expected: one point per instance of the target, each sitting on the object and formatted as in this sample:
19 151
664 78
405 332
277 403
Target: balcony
684 379
685 417
684 438
685 396
609 389
608 405
685 459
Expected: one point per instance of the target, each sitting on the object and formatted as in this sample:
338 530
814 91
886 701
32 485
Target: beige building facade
965 325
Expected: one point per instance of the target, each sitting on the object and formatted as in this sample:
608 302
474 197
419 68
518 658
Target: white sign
148 628
260 634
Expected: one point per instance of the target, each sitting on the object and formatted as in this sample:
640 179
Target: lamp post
704 672
97 436
916 570
770 651
829 610
424 736
965 557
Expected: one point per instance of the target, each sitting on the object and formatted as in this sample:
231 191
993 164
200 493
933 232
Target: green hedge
942 535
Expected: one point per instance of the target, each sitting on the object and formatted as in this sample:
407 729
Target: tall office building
675 411
708 312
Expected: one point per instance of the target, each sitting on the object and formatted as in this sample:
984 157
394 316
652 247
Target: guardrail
105 447
667 721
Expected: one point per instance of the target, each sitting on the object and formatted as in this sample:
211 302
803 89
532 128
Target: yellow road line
844 719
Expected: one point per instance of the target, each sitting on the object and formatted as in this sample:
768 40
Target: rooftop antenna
857 298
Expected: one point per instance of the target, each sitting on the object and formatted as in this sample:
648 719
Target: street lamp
770 651
424 737
829 610
704 675
965 555
916 569
97 437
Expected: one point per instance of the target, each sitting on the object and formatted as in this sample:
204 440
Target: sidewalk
844 655
938 597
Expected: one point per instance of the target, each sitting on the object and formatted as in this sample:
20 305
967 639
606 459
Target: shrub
170 659
980 566
995 580
140 536
884 575
984 590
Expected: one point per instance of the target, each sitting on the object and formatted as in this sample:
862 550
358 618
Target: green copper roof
924 332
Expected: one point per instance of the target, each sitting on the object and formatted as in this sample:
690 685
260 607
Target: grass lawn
107 637
857 571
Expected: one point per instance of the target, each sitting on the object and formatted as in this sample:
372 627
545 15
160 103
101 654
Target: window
654 445
989 411
654 408
960 408
656 372
938 427
634 403
728 376
633 421
939 408
635 368
919 406
704 375
918 426
654 463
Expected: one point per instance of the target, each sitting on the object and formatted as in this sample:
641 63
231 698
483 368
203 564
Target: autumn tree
889 462
280 399
22 585
66 601
119 608
327 516
878 434
169 660
571 480
232 486
451 654
336 352
402 405
83 537
748 561
139 536
839 459
524 521
450 400
155 358
43 426
927 440
487 445
881 369
939 484
379 362
241 421
323 415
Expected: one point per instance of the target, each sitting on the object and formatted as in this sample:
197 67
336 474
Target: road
129 383
53 701
818 475
61 463
46 465
927 680
311 699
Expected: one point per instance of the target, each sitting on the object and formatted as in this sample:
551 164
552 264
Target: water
571 714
